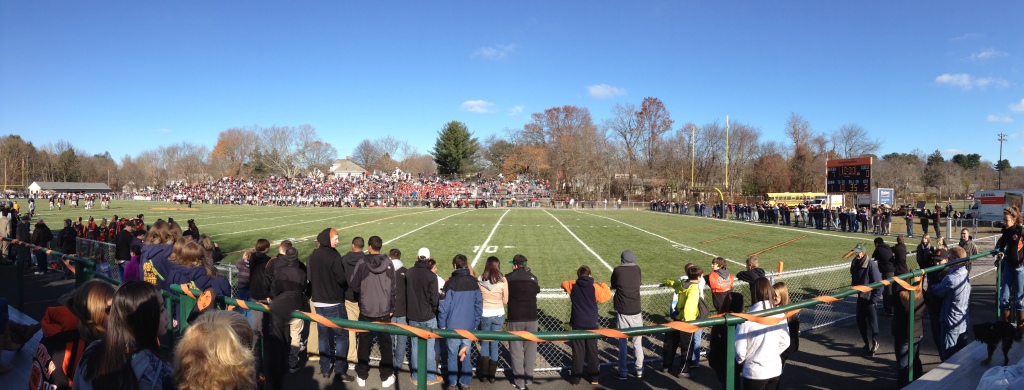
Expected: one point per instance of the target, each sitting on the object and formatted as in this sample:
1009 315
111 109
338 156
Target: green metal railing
187 303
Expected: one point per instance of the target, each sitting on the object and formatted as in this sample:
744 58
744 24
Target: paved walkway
829 358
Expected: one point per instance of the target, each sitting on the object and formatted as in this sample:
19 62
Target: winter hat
628 258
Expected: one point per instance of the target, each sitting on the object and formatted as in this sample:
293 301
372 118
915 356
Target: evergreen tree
453 152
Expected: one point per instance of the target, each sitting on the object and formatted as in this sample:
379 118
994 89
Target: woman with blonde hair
782 299
216 352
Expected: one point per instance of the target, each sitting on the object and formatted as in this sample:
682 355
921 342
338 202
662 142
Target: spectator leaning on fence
688 309
1011 260
752 273
374 283
864 271
584 295
494 290
626 283
523 288
883 256
41 237
955 291
721 282
288 292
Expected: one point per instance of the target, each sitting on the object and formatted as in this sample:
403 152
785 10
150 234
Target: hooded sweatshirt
325 272
288 289
626 283
373 281
584 314
883 255
58 352
400 273
462 306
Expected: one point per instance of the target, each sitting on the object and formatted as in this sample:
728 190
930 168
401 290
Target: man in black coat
348 263
884 257
422 294
328 284
626 279
41 237
287 293
22 233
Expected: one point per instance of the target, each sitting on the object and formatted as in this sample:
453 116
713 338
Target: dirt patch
173 209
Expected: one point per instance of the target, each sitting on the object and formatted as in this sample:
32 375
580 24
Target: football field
556 241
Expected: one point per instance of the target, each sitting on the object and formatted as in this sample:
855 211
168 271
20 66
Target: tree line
639 152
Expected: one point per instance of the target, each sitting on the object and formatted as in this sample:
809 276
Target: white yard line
488 240
421 227
264 217
580 241
275 226
665 238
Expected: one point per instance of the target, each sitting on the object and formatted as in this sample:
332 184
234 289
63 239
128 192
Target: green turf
662 242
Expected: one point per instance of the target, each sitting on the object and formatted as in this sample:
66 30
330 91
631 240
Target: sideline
421 227
580 241
295 223
674 244
488 240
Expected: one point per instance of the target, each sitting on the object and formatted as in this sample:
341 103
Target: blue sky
129 76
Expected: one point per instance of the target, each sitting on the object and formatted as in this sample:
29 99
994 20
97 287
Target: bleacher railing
188 300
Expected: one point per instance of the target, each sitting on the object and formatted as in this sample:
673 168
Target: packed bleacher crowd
117 330
352 191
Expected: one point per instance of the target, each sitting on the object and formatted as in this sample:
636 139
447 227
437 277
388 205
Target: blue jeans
41 260
431 363
455 375
903 360
1012 285
333 342
910 229
399 343
243 295
698 337
490 348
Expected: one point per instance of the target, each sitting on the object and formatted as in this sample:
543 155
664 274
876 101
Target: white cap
423 253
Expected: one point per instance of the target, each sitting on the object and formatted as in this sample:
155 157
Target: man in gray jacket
626 283
373 280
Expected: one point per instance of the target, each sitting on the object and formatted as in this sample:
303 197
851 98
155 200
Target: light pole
999 166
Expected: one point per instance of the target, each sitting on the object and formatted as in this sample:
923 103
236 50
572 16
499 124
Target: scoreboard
848 175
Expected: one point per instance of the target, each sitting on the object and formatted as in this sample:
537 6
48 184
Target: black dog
992 333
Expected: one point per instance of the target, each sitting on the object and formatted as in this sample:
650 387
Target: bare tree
851 141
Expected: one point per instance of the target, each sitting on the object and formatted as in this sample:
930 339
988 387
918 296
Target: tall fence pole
421 372
910 338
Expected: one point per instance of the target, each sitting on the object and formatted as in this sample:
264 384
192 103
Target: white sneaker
361 382
351 366
388 382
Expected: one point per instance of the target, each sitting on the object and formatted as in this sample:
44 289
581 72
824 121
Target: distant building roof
345 165
68 186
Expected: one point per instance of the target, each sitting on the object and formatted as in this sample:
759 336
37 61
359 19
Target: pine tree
454 149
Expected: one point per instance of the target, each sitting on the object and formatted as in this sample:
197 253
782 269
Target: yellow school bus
791 198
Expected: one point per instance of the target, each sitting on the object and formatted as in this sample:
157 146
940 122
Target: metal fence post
730 355
185 306
83 272
999 284
910 338
421 372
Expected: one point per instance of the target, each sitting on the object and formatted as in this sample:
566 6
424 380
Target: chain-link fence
99 250
554 307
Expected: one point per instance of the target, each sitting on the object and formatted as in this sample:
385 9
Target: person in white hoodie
758 347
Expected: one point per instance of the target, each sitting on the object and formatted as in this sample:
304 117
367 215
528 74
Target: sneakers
621 376
639 374
38 272
361 382
345 378
436 381
388 382
294 370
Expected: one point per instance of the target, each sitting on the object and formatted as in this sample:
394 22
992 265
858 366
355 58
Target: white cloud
477 106
999 118
604 91
518 109
953 151
965 81
496 51
966 37
987 54
1018 107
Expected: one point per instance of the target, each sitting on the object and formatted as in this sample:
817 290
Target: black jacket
348 263
883 256
67 241
523 288
626 283
421 292
374 284
42 235
899 260
123 245
289 287
400 298
326 276
584 305
22 232
257 286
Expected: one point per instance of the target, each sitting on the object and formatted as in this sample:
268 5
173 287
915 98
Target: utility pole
999 169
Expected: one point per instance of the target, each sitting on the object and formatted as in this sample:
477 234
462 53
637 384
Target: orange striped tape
526 336
862 288
423 334
613 333
466 334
